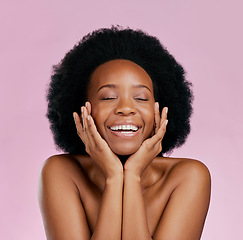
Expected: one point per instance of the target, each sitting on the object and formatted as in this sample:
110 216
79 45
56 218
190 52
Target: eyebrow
115 86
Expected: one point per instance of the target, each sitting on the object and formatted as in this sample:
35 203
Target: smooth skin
122 190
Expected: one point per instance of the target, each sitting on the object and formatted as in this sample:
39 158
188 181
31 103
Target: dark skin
122 190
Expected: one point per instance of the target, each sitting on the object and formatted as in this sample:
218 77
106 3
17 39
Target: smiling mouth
124 128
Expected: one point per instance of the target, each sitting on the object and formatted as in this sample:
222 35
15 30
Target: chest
155 199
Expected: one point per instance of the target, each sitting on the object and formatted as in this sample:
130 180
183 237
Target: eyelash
108 98
140 99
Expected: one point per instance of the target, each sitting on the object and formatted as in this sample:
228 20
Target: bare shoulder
59 162
194 172
64 166
190 168
58 190
59 174
65 173
189 185
184 168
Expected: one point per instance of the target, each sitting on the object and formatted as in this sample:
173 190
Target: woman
114 181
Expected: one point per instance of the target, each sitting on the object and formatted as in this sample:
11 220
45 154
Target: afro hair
68 86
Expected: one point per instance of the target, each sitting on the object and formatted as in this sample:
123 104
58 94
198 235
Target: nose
125 107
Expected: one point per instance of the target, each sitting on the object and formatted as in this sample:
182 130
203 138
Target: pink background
205 36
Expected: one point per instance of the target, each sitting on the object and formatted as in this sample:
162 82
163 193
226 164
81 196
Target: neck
123 158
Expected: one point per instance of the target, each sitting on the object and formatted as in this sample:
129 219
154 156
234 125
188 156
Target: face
122 100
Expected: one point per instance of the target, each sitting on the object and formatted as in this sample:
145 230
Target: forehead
120 71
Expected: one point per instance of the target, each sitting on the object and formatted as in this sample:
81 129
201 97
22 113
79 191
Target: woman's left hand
151 147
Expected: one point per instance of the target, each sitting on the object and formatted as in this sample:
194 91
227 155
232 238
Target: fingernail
166 110
74 116
157 104
82 109
166 122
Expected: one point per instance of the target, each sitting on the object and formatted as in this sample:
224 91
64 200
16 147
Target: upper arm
60 204
186 210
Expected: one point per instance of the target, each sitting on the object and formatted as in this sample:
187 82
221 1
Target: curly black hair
68 86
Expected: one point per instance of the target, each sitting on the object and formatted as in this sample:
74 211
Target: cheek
149 120
99 117
151 116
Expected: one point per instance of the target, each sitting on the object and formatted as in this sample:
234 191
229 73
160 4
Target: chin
124 150
124 153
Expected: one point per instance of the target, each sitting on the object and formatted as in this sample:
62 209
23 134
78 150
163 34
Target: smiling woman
121 94
130 103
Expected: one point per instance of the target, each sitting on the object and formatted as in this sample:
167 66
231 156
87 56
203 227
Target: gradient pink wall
205 36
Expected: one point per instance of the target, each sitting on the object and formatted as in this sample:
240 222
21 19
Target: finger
157 138
82 119
83 133
164 115
162 130
156 117
88 140
92 134
79 127
88 106
78 124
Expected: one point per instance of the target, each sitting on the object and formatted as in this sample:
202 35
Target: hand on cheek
151 147
95 145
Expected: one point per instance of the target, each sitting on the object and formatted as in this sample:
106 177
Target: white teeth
134 128
124 127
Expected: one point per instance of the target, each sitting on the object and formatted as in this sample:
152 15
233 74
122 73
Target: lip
126 122
124 134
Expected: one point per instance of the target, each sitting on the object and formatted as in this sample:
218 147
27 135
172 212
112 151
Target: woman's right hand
95 145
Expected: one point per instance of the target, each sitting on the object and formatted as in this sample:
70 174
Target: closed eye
110 98
142 99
